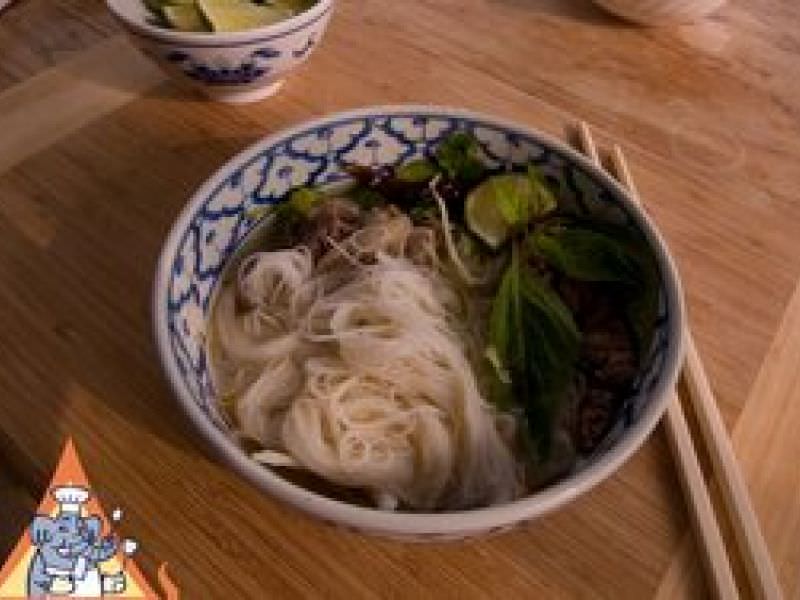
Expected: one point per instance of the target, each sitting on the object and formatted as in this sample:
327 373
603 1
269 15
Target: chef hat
70 498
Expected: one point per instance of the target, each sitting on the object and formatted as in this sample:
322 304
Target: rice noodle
360 376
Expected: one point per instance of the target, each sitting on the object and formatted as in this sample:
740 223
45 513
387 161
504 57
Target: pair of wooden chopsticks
748 538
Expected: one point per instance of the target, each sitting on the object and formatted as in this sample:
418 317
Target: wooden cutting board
98 153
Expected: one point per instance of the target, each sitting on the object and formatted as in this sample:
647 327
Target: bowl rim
441 523
125 11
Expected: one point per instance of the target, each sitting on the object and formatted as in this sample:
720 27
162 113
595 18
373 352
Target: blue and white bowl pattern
239 67
255 66
227 209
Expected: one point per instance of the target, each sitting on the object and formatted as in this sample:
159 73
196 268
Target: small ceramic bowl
226 209
661 12
238 67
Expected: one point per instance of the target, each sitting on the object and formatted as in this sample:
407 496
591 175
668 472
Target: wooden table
98 153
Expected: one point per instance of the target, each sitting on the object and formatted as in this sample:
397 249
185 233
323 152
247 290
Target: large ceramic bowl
223 212
242 66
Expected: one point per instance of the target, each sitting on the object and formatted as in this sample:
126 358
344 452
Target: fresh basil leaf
551 362
459 157
557 336
641 306
500 318
533 336
538 382
537 292
586 255
416 171
608 253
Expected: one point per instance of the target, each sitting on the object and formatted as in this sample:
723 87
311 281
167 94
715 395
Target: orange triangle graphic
72 488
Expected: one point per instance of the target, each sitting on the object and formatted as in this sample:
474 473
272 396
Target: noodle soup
437 336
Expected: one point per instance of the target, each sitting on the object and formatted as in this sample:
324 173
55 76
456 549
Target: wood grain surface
98 153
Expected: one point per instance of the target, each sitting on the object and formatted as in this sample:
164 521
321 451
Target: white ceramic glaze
661 12
237 67
234 200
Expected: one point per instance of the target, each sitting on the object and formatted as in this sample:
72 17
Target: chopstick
747 532
746 529
702 511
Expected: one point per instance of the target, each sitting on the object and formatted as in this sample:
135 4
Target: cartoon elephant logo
70 548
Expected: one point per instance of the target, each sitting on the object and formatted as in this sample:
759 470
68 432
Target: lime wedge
484 216
184 17
504 202
239 15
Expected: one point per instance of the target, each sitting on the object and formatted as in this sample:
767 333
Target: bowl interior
233 202
136 14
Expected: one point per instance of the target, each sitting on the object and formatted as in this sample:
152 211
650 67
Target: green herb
304 199
641 307
586 255
292 214
416 171
286 227
257 212
604 253
366 197
459 157
296 209
534 338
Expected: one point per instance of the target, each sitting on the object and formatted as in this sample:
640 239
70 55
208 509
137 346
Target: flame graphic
167 586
